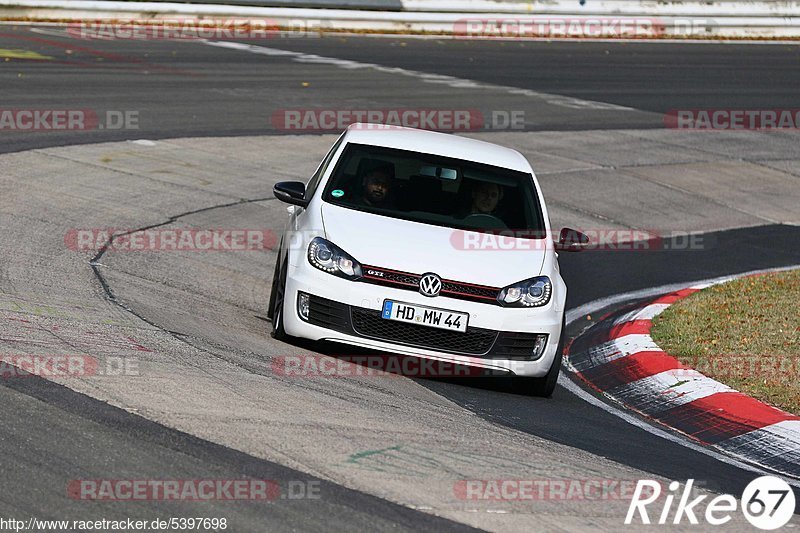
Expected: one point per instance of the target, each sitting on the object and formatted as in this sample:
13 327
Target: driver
376 187
485 197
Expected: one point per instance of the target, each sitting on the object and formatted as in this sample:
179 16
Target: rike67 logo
767 502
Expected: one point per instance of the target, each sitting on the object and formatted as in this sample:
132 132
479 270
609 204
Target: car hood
417 248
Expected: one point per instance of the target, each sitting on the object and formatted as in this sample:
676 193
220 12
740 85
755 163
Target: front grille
475 341
486 293
512 345
328 314
408 281
401 278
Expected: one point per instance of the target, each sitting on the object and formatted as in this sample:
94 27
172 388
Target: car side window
311 187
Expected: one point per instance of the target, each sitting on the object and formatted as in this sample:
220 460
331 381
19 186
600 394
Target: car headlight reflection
328 257
534 292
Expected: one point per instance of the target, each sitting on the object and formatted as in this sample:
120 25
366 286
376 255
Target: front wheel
276 299
545 385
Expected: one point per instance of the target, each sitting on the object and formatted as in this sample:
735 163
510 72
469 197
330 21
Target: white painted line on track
450 81
575 389
783 435
667 389
614 349
645 313
592 307
396 34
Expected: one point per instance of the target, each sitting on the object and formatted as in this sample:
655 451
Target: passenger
485 197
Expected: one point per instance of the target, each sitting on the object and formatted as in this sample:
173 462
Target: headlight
534 292
326 256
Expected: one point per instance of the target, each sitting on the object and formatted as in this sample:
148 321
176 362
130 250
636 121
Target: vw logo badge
430 285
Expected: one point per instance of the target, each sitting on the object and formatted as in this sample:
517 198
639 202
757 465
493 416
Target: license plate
425 316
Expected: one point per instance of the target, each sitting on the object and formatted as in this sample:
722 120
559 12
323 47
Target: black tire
276 302
545 385
275 275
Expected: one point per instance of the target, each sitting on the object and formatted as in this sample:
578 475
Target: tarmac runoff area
201 361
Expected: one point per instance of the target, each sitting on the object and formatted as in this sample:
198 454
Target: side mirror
291 192
572 240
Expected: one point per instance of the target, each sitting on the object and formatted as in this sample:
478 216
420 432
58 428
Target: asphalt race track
384 454
181 89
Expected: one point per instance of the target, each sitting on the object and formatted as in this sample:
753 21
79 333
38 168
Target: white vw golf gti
426 244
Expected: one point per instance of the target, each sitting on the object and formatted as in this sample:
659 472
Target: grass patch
744 333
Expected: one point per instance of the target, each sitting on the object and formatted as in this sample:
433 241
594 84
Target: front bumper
349 312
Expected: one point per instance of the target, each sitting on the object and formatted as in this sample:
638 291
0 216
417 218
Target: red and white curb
618 358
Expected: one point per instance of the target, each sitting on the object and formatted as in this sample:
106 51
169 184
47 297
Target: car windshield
436 190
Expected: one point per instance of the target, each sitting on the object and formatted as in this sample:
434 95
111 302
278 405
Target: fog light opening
539 346
303 302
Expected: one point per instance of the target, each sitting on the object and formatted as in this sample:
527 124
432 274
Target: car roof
430 142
